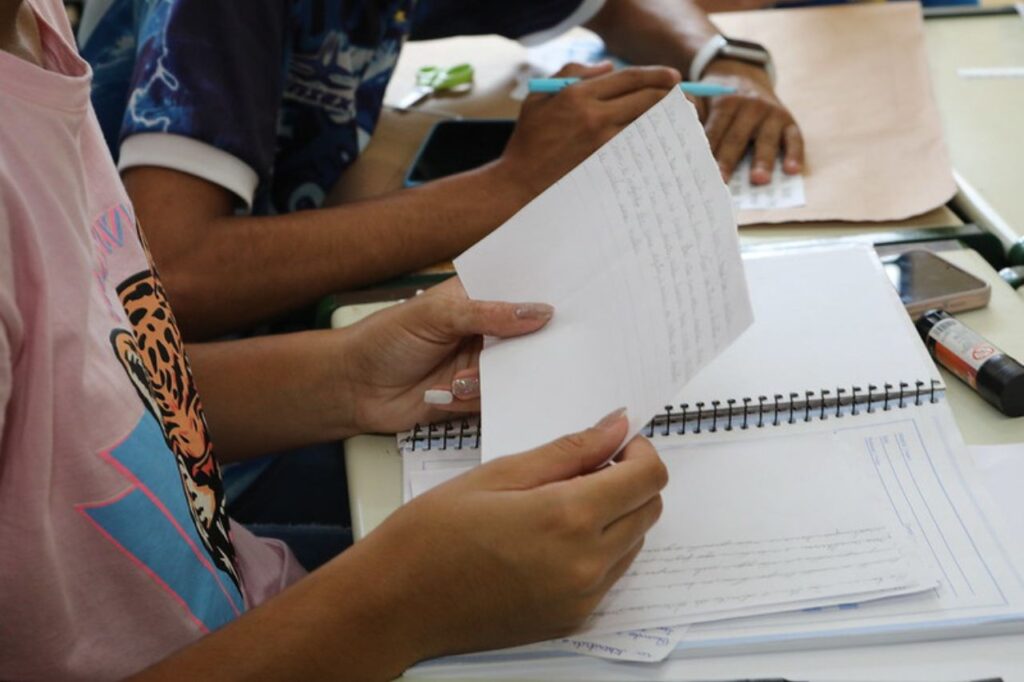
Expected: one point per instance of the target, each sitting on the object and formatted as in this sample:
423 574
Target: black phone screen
456 146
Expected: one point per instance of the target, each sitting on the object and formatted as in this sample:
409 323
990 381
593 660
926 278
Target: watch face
746 50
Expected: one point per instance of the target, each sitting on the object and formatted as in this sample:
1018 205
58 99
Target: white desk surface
983 117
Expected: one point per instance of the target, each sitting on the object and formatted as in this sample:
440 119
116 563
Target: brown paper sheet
856 78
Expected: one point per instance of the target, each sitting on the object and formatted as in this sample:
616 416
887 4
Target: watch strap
705 55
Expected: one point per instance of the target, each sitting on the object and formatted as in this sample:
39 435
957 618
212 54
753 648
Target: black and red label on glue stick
996 376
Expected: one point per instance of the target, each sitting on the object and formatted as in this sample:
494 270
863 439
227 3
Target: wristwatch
719 46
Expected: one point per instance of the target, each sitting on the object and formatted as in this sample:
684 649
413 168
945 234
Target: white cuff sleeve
584 13
184 154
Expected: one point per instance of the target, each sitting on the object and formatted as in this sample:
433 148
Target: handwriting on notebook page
645 646
637 250
692 582
792 523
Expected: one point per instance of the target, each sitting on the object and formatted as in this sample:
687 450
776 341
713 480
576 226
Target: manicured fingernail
792 166
534 311
466 387
611 419
438 397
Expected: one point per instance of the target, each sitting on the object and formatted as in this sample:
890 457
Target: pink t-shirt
115 549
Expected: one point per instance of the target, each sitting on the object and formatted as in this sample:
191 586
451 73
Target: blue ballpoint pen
553 85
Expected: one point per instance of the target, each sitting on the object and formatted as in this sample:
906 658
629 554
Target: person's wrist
338 388
514 181
725 68
402 543
389 631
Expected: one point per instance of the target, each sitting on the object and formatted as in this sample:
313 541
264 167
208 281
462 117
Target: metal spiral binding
738 414
766 412
449 435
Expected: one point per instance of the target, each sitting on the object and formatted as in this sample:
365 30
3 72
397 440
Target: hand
754 115
432 342
556 132
522 548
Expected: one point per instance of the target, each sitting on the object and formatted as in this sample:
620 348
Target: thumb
567 457
461 318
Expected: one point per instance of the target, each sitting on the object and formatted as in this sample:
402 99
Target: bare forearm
347 620
233 271
667 32
271 393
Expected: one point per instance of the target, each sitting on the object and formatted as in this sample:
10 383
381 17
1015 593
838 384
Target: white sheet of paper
637 249
992 72
641 646
784 191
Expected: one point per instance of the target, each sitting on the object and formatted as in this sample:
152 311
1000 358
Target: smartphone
455 146
925 281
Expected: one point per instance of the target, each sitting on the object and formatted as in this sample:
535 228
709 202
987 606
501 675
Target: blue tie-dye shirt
292 88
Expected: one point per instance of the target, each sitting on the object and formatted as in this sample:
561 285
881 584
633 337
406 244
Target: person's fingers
624 110
565 458
722 111
624 533
793 142
466 384
462 395
456 318
625 81
615 491
577 70
737 138
442 399
766 150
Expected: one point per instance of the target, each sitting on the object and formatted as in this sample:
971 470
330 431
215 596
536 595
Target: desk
982 117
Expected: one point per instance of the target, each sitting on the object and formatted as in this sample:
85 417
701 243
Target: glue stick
996 376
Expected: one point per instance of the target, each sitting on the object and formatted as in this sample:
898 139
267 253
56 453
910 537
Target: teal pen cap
553 85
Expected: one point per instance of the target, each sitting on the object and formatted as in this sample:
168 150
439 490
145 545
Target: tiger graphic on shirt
153 355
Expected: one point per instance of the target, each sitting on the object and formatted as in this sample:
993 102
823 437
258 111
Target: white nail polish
438 397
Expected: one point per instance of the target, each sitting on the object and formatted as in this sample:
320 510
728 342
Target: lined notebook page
637 250
824 318
761 526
